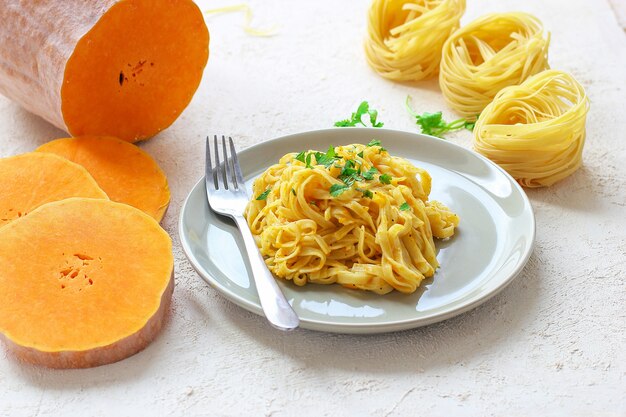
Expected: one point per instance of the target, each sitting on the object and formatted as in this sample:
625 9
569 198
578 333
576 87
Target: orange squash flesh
125 172
27 181
104 67
74 299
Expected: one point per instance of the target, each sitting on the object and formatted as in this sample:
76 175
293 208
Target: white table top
552 343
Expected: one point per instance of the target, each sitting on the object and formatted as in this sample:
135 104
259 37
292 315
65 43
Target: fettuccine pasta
354 216
536 131
405 37
492 52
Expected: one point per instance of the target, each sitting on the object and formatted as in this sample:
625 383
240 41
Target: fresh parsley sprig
357 117
433 123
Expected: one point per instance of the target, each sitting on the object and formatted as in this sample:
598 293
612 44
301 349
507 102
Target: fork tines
227 173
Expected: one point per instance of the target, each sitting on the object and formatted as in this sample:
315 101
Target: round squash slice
125 172
32 179
91 285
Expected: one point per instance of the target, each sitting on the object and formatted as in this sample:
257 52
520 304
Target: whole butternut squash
91 286
103 67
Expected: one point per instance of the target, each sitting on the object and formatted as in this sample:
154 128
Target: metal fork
226 192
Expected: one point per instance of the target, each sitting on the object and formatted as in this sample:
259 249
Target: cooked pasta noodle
535 131
354 216
492 52
405 37
247 26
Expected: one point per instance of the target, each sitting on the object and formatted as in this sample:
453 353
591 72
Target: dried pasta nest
536 131
492 52
405 38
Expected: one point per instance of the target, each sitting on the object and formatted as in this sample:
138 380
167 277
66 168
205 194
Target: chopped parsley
385 179
328 158
337 189
369 174
405 206
366 193
349 174
376 142
356 117
264 194
307 160
351 171
433 123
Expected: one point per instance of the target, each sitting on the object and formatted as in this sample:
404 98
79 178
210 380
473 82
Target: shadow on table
32 130
585 191
127 370
447 343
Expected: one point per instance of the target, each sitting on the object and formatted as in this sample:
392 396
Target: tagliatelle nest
536 131
492 52
405 38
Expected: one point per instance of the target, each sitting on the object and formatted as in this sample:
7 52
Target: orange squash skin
103 67
92 285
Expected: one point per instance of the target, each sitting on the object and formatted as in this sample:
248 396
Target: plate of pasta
374 230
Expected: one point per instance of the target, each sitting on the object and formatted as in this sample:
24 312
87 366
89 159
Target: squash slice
125 172
29 180
91 285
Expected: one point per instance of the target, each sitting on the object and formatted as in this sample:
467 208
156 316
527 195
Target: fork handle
276 308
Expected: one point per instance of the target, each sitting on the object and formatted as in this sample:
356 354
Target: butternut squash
103 67
126 173
91 285
27 181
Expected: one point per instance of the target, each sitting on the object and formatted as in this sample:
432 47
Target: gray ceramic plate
493 242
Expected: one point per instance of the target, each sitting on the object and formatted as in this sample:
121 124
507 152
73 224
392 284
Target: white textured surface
553 343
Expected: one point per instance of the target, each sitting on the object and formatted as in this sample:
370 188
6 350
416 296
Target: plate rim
379 327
